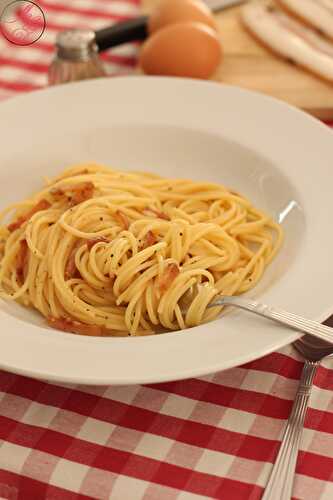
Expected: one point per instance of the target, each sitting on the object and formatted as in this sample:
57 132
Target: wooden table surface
250 65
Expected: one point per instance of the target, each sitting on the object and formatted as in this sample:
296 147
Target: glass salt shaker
76 58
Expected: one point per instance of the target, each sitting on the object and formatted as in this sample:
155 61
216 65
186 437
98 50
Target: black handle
126 31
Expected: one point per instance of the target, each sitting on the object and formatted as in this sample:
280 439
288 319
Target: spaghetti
104 252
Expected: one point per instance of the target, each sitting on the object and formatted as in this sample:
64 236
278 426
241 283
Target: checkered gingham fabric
213 437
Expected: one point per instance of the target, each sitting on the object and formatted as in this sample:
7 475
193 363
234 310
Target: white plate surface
276 155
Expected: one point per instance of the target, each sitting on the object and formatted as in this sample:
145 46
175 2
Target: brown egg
185 49
180 11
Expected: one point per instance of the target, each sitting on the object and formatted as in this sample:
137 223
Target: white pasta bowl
277 156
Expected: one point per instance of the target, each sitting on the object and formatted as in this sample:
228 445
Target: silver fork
280 483
293 321
313 348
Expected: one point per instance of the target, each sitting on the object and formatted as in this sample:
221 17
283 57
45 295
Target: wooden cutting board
249 65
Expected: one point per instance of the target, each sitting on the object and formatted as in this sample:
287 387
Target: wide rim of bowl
287 120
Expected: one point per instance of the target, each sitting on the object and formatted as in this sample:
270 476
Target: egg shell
185 49
179 11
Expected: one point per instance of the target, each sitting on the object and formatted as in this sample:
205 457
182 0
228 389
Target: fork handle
280 483
288 319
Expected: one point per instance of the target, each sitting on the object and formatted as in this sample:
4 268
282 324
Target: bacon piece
93 241
317 13
82 192
289 38
57 193
77 193
71 271
22 260
73 326
168 276
122 219
159 215
41 205
149 240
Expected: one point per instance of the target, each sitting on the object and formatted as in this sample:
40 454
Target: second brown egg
180 11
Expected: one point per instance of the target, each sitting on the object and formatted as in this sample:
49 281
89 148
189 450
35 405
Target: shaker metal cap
76 44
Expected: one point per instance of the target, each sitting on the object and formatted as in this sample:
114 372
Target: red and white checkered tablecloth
213 437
